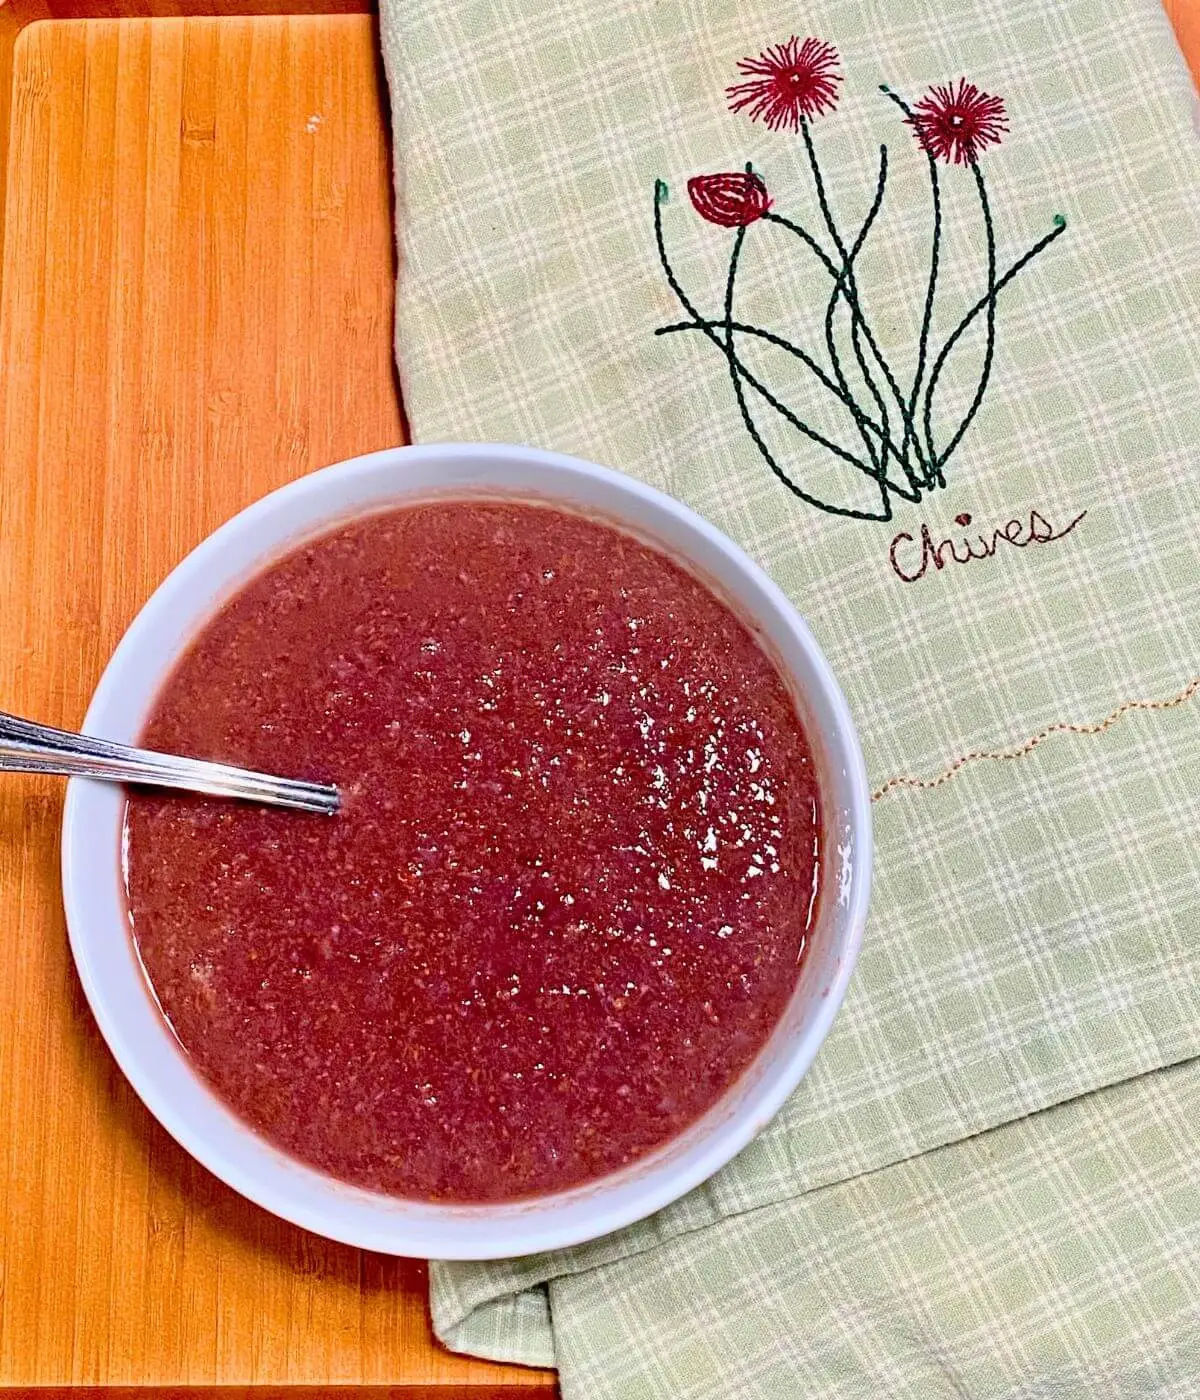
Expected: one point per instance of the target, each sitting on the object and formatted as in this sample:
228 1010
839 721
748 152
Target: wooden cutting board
195 306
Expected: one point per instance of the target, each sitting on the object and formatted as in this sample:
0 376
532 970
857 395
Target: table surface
195 307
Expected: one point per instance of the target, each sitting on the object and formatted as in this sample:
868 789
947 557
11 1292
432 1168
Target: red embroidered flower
955 124
733 199
787 82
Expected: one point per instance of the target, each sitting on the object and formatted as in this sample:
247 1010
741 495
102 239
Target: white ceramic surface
112 975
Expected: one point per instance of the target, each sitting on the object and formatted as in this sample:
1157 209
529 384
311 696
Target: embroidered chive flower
733 198
787 83
957 123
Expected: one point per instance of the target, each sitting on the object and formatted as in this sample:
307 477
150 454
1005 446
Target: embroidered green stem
1060 225
930 293
990 350
878 460
852 297
887 446
708 328
738 372
770 217
840 288
759 333
842 388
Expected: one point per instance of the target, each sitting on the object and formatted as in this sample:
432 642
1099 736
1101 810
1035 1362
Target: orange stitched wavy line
1188 691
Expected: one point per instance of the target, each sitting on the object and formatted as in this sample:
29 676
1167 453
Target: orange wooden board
196 307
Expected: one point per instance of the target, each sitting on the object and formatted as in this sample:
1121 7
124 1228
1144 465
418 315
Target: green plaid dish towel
905 297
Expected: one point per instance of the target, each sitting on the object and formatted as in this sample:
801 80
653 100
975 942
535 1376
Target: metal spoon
37 748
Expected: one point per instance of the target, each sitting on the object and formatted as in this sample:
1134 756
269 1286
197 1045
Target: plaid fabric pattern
1033 935
1057 1258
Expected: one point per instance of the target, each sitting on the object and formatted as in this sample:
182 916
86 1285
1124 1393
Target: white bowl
115 983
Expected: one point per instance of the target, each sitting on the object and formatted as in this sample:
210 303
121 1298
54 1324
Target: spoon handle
37 748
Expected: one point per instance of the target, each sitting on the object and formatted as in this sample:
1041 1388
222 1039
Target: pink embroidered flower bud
733 198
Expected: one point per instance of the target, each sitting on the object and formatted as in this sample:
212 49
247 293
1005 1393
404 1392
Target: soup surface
568 892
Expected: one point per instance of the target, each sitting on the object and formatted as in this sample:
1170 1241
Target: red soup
566 898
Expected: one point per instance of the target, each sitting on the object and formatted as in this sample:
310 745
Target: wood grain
195 307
